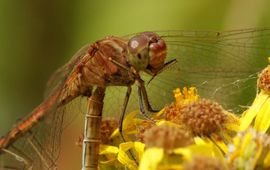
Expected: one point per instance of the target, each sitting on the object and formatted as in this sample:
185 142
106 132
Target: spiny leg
122 116
146 100
142 105
121 119
143 99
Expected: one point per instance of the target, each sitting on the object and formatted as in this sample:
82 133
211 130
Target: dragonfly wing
39 146
222 65
60 74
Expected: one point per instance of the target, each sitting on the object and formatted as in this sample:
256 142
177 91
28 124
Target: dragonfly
222 65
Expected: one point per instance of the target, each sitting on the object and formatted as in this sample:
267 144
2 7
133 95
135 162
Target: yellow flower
250 150
158 158
119 157
258 115
189 128
160 142
169 147
204 118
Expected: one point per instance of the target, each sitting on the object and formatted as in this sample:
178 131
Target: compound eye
137 43
138 48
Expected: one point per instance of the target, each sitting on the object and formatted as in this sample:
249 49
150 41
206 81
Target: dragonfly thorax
147 52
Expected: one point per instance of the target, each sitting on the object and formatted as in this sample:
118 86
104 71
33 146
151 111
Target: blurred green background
36 37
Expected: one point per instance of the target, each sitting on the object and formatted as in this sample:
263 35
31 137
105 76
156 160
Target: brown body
96 69
93 68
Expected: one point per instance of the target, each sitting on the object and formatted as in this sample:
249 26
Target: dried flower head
168 137
142 127
264 80
204 163
202 117
107 128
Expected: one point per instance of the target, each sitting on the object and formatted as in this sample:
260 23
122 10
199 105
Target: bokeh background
37 36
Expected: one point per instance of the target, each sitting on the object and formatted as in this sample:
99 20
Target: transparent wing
39 147
222 65
60 74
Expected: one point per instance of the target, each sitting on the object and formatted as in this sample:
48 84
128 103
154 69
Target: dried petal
204 163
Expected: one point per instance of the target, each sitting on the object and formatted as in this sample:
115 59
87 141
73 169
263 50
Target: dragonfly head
147 52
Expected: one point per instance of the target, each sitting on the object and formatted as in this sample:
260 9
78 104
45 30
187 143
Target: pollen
167 137
264 80
204 163
185 96
202 117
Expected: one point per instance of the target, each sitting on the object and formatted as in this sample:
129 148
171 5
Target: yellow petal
106 149
128 121
189 151
262 121
159 113
199 141
123 156
250 114
139 149
151 158
115 133
267 161
110 152
220 146
215 147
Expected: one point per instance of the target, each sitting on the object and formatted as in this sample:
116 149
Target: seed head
106 129
264 80
202 117
142 127
167 136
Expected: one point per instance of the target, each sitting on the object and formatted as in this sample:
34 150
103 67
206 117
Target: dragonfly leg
142 105
165 66
120 127
144 97
123 112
